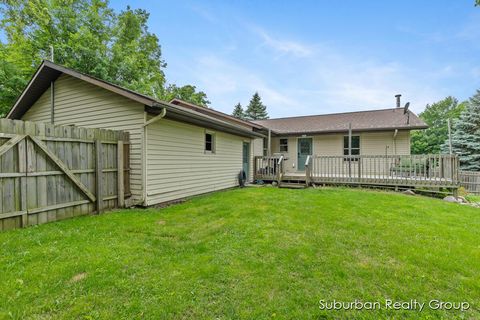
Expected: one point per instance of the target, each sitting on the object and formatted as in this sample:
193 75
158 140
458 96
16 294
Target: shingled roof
372 120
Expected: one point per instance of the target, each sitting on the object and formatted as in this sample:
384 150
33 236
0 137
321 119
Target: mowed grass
254 253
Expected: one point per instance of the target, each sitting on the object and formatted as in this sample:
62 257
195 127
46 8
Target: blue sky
313 57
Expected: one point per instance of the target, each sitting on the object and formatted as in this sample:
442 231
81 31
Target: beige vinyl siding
82 104
178 165
371 143
256 150
290 160
381 143
328 145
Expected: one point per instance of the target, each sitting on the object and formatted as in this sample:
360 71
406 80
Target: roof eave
318 132
176 101
187 115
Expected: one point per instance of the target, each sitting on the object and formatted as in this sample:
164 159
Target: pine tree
238 111
256 110
466 135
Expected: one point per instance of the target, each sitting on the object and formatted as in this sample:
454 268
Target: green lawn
255 253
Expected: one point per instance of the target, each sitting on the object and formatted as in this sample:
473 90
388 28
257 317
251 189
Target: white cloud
228 83
282 46
319 79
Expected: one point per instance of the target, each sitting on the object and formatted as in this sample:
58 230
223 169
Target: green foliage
238 111
186 93
429 141
255 109
466 135
86 35
11 81
252 253
136 58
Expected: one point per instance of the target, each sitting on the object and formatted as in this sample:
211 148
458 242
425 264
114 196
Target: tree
86 35
11 81
136 57
430 141
466 135
238 111
186 93
255 109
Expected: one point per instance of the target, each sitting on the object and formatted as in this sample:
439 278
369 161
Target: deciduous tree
435 115
187 93
86 35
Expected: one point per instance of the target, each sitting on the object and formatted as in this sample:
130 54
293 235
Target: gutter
176 109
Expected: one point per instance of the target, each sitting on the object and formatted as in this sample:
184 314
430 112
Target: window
265 146
355 145
283 145
209 142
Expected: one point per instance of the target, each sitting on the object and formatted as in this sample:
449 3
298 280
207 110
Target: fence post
98 169
22 168
120 181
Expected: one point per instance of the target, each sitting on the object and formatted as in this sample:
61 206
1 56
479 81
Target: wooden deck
426 171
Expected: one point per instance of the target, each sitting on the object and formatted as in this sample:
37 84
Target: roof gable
48 72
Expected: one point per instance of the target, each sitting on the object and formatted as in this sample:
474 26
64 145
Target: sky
316 57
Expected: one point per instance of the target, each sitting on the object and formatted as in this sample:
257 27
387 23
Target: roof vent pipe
398 100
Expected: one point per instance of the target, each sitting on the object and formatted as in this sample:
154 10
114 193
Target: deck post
307 171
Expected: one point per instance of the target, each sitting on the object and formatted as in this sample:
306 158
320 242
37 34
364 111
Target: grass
473 198
255 253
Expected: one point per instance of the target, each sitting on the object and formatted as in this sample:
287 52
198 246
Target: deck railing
396 170
269 168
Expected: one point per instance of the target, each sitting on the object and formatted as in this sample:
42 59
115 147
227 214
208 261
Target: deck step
288 185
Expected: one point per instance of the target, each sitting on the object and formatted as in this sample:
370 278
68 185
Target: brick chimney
398 100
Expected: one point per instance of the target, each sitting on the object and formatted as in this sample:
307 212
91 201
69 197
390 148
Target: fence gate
50 173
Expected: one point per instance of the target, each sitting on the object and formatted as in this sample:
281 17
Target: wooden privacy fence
50 173
470 180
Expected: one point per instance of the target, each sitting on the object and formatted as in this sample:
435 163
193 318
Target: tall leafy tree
136 57
86 35
187 93
238 111
466 135
435 115
256 110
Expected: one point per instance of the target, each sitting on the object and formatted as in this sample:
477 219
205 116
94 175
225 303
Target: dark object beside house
242 177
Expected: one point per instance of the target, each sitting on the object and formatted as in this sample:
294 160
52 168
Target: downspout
269 146
144 151
395 142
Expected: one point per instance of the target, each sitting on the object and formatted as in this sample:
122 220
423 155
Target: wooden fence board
49 173
470 180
